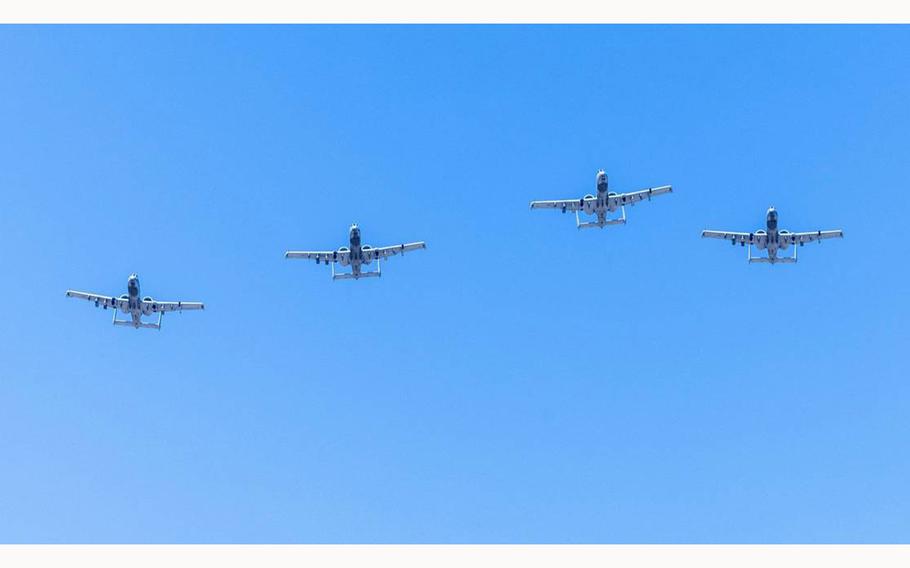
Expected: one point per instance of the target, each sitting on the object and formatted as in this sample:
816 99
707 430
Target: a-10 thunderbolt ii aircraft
134 305
772 239
355 256
604 202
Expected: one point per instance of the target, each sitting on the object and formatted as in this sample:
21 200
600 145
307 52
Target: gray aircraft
134 305
772 239
355 256
604 202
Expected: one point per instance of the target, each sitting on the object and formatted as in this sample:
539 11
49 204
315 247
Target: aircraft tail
351 276
600 224
766 260
129 323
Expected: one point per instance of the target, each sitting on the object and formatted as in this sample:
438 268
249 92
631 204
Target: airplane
134 305
772 239
604 202
356 256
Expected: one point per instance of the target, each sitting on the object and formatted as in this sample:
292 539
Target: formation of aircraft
772 239
357 255
134 305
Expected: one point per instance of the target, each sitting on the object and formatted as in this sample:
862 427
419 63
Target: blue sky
518 381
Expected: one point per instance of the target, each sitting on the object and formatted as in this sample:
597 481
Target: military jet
604 202
134 305
772 239
355 256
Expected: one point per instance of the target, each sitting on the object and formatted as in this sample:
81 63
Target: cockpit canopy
602 181
772 218
355 235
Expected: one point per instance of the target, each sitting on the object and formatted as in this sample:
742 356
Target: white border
455 11
455 556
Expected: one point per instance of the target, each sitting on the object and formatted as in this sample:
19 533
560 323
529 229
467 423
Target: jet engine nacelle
758 242
340 255
367 254
147 303
784 240
589 204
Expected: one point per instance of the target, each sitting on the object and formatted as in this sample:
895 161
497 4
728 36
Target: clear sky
519 380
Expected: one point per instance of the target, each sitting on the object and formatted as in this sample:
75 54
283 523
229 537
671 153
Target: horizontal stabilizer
598 225
351 276
130 323
765 260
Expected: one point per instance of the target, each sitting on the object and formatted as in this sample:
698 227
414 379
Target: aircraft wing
808 237
563 204
325 256
386 252
742 238
99 300
634 197
163 307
